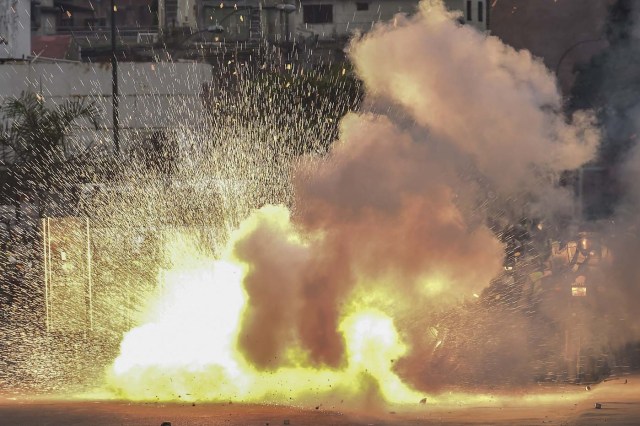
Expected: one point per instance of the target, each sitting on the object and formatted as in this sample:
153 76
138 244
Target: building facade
318 20
50 17
472 12
339 19
15 38
143 23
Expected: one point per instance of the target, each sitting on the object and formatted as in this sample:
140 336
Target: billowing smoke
497 106
377 213
377 276
394 217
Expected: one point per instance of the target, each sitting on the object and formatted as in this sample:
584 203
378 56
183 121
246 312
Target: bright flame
373 345
194 324
187 350
192 329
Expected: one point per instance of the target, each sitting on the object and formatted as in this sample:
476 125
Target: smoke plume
397 210
359 283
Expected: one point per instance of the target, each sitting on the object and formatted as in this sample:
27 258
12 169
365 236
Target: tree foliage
34 141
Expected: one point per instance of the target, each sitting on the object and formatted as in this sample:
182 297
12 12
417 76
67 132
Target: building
178 13
339 19
473 12
15 38
147 103
50 17
323 20
146 27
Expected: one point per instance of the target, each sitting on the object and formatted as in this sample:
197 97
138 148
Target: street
620 405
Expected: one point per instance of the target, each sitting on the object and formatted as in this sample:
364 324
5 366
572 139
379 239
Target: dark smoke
610 84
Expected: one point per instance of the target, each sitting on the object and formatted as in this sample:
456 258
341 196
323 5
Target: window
469 15
360 7
480 11
318 13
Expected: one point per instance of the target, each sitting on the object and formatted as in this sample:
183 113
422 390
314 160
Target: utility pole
114 81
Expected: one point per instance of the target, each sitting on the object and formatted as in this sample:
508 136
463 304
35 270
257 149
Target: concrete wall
153 95
562 33
15 29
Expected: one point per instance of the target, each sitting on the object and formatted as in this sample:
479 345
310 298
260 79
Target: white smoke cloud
499 106
391 200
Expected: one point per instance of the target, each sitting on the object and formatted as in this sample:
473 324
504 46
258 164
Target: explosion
319 286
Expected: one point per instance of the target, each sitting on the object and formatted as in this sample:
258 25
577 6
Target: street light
114 81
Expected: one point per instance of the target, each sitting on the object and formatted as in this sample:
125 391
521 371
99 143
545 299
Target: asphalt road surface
620 405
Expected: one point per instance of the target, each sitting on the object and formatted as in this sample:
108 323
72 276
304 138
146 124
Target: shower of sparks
244 256
197 183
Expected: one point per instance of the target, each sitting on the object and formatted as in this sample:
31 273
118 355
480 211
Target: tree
38 159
